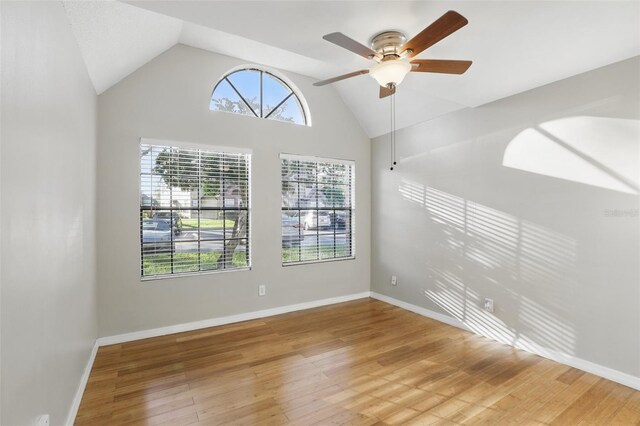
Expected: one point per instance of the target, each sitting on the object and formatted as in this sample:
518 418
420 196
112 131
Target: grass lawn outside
307 254
160 264
207 223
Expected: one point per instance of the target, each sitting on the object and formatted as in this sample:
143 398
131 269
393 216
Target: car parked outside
176 220
291 235
339 220
314 219
156 236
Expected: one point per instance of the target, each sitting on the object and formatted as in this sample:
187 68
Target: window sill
311 262
191 274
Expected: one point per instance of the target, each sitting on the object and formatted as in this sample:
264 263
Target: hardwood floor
356 363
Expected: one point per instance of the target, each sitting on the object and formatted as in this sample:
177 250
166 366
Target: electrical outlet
394 280
488 305
43 420
262 290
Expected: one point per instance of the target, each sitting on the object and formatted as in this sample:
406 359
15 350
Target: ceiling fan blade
386 91
444 26
340 77
440 66
350 44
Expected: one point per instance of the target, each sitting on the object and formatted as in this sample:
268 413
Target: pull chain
393 100
392 134
391 130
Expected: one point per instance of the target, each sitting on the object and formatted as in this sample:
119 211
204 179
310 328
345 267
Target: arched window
258 93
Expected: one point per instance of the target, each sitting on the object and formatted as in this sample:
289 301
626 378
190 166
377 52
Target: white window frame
203 147
306 112
352 184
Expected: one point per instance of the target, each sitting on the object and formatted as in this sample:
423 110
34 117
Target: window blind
317 218
194 210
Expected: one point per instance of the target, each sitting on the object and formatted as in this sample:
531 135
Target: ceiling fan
391 48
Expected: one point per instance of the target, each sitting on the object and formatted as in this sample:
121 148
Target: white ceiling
515 45
116 39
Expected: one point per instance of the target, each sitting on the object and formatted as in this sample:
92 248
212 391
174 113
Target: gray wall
48 209
532 201
169 99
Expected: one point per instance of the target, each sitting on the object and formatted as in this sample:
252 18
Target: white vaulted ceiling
116 39
514 45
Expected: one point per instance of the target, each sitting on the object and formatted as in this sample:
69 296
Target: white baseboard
77 398
420 311
570 360
162 331
581 364
213 322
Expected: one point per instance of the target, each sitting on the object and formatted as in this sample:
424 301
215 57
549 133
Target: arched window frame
272 73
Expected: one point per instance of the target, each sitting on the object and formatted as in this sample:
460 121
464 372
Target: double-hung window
317 209
194 210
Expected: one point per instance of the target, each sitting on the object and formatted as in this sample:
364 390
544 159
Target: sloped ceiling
116 38
515 45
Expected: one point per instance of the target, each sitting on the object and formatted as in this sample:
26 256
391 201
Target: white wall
169 99
48 209
532 201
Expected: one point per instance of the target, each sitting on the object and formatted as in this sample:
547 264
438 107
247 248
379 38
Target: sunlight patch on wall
412 191
492 252
597 151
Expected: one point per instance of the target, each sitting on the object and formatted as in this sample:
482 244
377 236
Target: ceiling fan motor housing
388 43
390 50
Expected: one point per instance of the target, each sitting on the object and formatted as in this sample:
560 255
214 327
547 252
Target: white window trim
195 145
296 157
352 163
206 147
296 91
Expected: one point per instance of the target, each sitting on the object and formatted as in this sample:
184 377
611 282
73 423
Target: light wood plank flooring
357 363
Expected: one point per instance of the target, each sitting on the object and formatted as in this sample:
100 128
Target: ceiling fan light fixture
390 72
